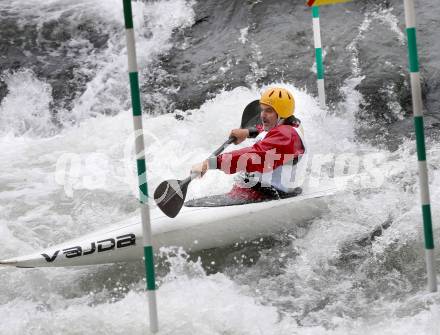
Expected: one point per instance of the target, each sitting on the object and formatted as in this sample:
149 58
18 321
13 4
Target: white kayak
195 228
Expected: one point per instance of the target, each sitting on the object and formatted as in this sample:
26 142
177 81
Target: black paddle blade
251 115
170 196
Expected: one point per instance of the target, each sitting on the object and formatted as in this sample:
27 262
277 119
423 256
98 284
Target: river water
66 164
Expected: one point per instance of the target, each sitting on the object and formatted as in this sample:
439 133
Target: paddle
170 194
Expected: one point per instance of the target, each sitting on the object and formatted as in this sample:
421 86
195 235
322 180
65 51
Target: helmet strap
280 121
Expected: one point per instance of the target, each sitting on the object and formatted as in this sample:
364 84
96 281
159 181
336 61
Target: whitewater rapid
358 269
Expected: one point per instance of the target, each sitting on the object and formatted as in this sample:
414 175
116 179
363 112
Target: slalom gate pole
318 55
318 47
141 166
416 92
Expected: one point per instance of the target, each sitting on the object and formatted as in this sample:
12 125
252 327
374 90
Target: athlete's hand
239 134
199 169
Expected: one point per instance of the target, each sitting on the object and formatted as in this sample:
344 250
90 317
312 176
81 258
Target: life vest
283 178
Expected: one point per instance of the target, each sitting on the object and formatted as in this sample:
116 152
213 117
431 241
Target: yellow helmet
280 99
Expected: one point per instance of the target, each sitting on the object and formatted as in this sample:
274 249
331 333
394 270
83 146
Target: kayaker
270 164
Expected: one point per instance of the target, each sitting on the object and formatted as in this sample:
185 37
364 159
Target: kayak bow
196 228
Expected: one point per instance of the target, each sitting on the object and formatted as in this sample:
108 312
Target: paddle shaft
217 152
223 146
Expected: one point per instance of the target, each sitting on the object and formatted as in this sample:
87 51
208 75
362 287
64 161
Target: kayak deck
223 200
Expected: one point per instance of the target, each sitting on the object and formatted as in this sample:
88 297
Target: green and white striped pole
141 166
318 55
410 19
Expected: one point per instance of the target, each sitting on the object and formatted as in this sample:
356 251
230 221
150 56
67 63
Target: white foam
243 35
26 107
35 211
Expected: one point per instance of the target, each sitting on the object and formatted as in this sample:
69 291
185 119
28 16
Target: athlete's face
268 116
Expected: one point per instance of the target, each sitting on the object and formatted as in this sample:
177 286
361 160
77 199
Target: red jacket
282 140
